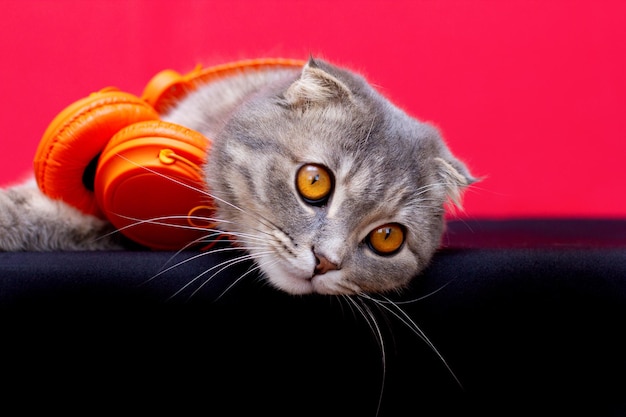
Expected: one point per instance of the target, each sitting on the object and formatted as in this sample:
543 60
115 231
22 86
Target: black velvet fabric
529 316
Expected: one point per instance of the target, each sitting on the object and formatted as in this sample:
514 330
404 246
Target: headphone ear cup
66 156
149 181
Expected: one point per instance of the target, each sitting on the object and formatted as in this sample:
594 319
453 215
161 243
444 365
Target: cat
327 185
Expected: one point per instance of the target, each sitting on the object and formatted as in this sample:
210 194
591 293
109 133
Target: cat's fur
387 168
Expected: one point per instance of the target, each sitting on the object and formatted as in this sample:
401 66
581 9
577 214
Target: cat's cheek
286 278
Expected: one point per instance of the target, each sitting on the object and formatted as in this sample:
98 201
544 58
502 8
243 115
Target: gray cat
327 185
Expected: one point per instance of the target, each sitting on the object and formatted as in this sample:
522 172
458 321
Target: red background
531 94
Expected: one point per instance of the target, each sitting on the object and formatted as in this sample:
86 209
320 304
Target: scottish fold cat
327 185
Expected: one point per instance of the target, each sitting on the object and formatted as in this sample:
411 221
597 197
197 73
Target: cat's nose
323 265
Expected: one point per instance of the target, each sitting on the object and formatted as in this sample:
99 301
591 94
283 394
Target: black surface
527 326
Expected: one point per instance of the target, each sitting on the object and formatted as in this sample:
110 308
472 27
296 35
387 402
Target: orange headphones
110 155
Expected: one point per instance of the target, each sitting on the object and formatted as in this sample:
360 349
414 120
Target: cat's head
330 187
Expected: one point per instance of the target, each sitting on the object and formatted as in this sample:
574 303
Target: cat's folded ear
316 86
454 176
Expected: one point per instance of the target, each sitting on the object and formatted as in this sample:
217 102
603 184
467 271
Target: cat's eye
386 239
314 183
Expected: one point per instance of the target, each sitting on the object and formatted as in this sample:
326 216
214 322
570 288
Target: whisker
410 323
256 267
228 264
341 297
414 300
265 221
192 258
222 266
370 319
160 222
200 190
251 236
216 232
204 239
152 171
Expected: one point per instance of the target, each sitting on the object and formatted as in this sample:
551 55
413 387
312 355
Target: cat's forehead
374 145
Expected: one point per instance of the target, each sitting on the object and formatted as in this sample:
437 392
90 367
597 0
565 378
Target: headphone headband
168 86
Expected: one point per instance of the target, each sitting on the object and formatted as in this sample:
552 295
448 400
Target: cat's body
387 175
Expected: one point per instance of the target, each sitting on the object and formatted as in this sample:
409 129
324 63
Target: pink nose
323 265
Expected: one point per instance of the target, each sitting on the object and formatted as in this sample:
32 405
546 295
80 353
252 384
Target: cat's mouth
327 283
331 283
297 280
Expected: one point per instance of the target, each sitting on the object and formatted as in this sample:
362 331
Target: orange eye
386 239
314 183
